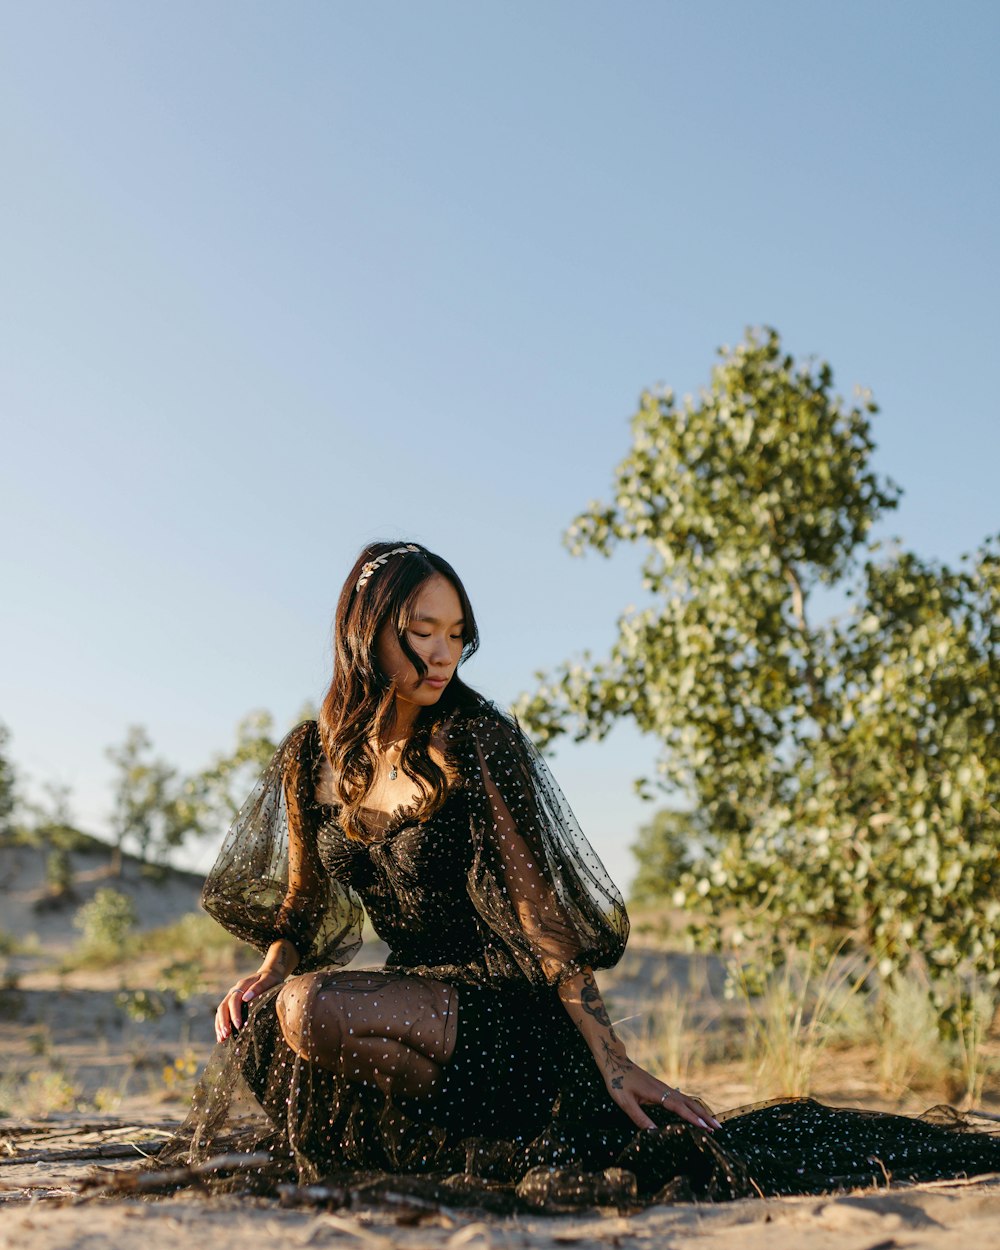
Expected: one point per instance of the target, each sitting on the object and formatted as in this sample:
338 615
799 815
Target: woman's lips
437 683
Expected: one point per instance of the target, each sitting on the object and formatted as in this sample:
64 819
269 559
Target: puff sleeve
268 882
534 879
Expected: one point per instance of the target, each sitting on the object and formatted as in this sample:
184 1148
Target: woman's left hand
630 1086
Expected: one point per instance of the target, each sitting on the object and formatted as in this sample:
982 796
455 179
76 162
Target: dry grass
798 1012
974 1059
919 1048
663 1040
820 1026
906 1029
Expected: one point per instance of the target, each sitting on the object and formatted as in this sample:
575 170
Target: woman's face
436 632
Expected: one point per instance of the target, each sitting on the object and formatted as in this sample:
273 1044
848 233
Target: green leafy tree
52 829
842 771
665 850
59 875
46 823
154 809
217 792
8 790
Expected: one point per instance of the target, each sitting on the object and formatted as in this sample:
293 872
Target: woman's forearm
582 999
628 1085
281 959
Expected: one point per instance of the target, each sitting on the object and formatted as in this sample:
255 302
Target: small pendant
392 773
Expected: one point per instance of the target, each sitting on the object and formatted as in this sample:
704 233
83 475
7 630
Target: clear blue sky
278 279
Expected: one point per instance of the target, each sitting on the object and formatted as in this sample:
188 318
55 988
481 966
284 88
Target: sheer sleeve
535 879
268 882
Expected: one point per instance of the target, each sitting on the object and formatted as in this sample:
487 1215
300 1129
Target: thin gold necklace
393 770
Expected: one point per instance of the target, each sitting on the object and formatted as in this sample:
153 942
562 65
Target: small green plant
179 1076
59 874
194 936
44 1092
140 1005
106 921
40 1042
11 997
107 1100
182 979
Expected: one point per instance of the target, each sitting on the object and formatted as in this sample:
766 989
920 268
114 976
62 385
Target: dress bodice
499 884
411 877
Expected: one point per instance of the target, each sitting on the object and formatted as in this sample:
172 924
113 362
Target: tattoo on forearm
613 1060
282 961
608 1049
593 1004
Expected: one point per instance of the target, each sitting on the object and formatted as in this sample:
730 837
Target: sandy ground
124 1082
43 1209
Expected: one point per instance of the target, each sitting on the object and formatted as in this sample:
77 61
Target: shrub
106 921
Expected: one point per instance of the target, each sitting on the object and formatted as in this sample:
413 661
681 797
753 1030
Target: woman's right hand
229 1013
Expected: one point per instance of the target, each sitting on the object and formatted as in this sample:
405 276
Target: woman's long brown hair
359 707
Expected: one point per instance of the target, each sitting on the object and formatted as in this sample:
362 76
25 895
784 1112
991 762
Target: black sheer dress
498 896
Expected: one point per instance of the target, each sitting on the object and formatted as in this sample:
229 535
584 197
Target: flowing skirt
521 1117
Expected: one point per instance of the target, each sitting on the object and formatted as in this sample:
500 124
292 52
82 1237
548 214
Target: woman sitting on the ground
483 1047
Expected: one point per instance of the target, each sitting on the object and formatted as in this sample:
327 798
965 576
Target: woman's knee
294 1006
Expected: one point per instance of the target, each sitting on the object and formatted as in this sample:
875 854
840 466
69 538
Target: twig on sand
470 1233
145 1182
951 1182
56 1128
33 1193
107 1150
377 1241
312 1195
355 1195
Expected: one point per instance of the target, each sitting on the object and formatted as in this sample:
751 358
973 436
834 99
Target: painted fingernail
249 996
702 1122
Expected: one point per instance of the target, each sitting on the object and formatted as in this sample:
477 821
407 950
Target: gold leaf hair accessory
373 565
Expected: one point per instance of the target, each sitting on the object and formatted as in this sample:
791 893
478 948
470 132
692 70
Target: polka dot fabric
458 1064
